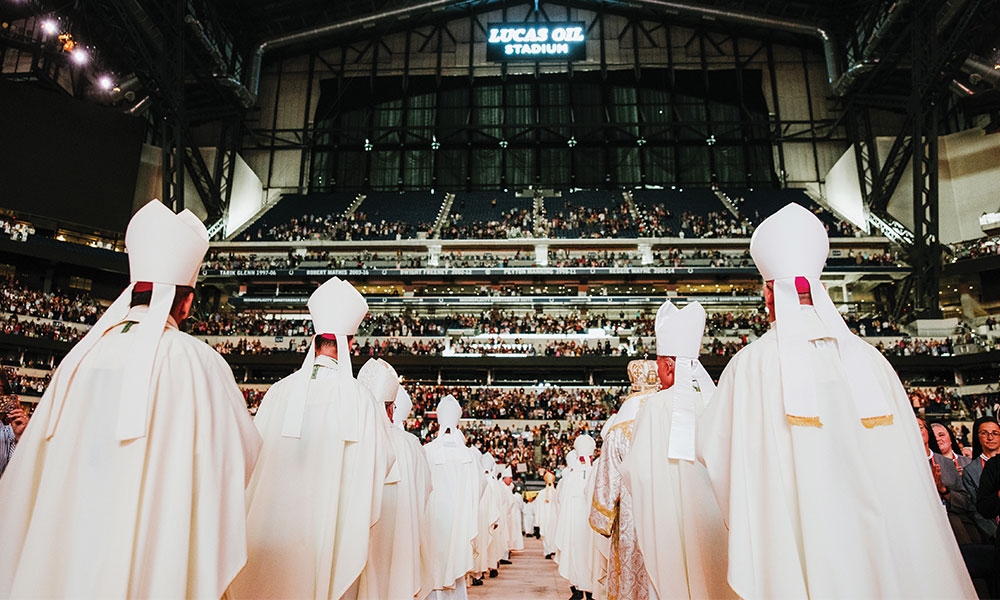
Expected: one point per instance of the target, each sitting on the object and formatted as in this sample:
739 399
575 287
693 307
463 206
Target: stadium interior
513 215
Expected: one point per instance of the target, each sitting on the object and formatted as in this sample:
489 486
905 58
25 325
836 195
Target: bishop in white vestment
394 555
677 521
545 514
611 513
453 505
488 521
514 501
573 532
814 452
129 480
317 489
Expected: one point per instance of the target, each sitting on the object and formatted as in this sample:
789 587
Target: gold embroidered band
870 422
803 421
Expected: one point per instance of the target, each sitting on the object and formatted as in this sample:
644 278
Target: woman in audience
13 420
985 445
948 484
949 446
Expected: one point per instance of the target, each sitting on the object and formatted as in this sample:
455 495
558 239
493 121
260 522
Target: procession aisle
531 576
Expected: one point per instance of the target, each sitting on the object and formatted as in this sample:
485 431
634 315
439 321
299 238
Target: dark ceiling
259 20
266 18
251 22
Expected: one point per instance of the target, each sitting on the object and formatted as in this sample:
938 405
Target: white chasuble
498 543
677 521
515 535
611 515
158 516
313 499
394 555
488 520
573 532
453 508
545 516
828 511
600 546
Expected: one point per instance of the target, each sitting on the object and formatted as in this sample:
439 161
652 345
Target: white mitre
662 314
165 250
572 459
401 409
380 379
584 446
508 472
792 244
487 462
449 411
336 308
679 336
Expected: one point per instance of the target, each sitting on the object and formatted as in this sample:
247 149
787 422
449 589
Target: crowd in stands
561 258
248 323
56 331
26 385
935 400
330 227
552 348
221 260
520 402
513 223
244 347
394 347
15 230
19 299
916 347
590 222
714 224
978 248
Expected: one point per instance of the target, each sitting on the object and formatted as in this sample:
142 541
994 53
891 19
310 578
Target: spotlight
80 56
105 83
48 26
711 140
641 142
571 142
503 143
368 145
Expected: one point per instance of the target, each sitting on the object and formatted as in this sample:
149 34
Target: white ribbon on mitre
380 379
679 335
336 308
449 412
789 244
585 445
166 250
402 407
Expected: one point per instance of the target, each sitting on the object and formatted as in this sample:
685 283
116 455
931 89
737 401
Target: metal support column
925 257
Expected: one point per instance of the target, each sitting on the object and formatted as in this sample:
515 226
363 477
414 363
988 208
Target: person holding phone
13 420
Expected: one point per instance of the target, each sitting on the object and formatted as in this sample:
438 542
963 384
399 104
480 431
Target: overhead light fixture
105 83
80 56
368 145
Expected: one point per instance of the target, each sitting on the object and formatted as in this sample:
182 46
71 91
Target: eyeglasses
989 434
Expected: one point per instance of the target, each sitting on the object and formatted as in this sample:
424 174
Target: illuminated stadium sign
535 42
